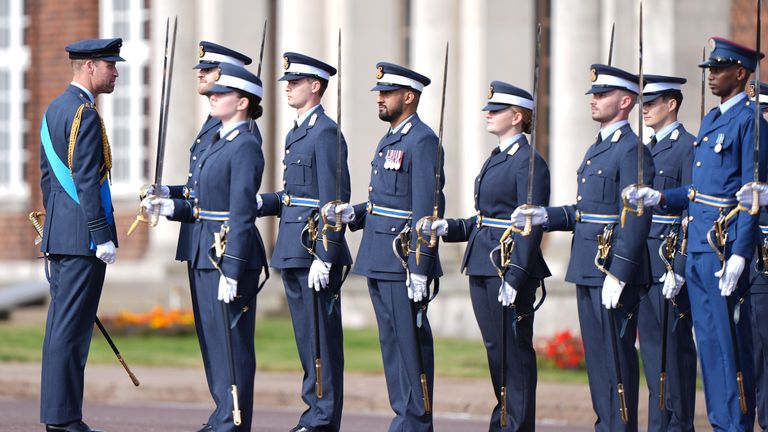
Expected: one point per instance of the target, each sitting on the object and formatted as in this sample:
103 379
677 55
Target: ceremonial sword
165 96
252 122
432 242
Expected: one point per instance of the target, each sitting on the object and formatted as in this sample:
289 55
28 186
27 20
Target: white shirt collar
400 126
305 116
725 106
85 90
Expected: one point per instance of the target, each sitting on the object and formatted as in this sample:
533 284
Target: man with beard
79 237
723 158
401 191
608 288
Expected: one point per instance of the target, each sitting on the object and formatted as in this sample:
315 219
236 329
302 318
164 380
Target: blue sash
64 177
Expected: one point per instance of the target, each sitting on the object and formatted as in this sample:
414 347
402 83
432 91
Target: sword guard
421 240
336 227
235 407
639 209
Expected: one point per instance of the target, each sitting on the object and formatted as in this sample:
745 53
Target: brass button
661 171
705 139
189 174
381 154
194 158
375 172
288 151
698 164
370 188
578 198
599 171
589 162
198 141
583 180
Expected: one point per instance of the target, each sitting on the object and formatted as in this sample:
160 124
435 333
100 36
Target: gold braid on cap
107 166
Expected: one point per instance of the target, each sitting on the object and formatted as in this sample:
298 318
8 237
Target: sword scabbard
503 420
236 419
742 396
319 378
662 389
622 404
425 393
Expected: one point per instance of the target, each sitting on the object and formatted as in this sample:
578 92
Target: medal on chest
393 159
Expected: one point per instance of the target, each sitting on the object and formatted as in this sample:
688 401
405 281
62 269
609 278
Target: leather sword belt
666 219
386 211
605 219
219 216
294 201
711 200
492 222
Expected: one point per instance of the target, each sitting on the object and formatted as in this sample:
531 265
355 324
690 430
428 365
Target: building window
14 59
124 110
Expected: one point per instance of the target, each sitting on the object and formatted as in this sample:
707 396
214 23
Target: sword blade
640 145
165 103
532 157
756 155
610 47
261 51
440 136
338 122
703 80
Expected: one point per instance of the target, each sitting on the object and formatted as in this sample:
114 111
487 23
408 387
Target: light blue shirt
400 126
507 143
666 130
85 90
725 106
611 128
303 117
223 132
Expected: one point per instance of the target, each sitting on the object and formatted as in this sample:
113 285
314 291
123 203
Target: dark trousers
75 284
760 338
521 357
322 413
595 322
715 345
680 388
212 325
198 324
397 337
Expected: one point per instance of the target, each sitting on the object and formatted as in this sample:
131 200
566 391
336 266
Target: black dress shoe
206 428
300 428
77 426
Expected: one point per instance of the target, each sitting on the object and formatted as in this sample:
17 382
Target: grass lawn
275 351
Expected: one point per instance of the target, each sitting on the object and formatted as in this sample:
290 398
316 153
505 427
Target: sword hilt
421 240
755 209
235 407
622 405
639 209
503 419
35 217
425 393
662 389
337 226
319 378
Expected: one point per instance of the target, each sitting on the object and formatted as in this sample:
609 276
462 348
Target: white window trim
15 59
135 52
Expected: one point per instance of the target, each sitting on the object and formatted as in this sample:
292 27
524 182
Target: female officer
499 188
229 252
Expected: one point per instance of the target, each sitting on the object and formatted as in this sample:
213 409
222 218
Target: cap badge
379 72
286 63
218 74
490 92
712 43
751 90
201 51
594 75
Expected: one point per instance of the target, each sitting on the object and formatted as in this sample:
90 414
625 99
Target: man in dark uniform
672 149
717 286
79 236
401 191
309 182
210 55
609 295
758 277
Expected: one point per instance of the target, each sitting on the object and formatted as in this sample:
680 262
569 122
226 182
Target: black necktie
496 150
653 141
599 138
295 125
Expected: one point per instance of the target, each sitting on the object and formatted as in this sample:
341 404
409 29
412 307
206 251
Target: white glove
417 290
728 279
319 274
507 294
345 210
633 194
441 225
165 204
612 288
538 216
673 283
259 202
227 289
744 195
106 252
165 192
